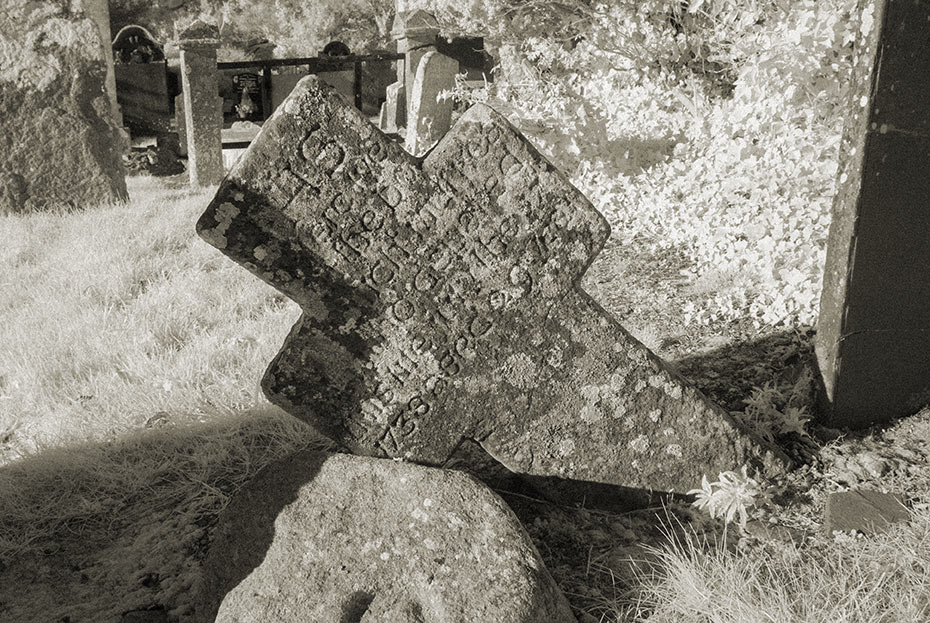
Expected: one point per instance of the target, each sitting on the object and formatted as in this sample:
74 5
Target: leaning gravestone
334 538
440 303
430 107
873 338
59 142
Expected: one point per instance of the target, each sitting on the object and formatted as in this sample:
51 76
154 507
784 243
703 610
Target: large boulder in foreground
335 538
59 143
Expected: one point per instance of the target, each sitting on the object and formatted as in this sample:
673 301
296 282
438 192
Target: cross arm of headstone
440 303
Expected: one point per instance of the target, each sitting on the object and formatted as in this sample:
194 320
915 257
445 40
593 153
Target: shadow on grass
727 375
142 506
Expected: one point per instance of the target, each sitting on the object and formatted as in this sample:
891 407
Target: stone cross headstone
430 111
61 145
873 338
440 303
203 117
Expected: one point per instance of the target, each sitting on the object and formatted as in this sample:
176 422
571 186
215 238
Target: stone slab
874 327
863 510
440 303
59 142
430 113
333 538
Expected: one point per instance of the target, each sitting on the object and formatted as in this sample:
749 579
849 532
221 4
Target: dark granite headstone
441 303
873 339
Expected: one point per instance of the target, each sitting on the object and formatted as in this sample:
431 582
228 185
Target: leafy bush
711 128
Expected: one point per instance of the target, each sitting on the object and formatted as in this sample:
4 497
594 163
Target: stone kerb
61 143
203 118
440 303
430 114
873 340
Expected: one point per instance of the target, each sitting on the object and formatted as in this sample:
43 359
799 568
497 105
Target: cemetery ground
130 412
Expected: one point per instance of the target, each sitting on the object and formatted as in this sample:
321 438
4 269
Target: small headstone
441 303
863 510
61 145
203 114
430 103
334 538
872 341
394 109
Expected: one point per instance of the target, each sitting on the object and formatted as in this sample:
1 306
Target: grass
130 412
116 315
880 579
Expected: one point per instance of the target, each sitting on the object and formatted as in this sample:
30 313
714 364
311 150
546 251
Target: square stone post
203 119
415 32
873 338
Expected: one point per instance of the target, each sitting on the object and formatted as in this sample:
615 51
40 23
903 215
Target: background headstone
873 338
334 538
394 108
202 112
415 32
430 113
441 303
99 11
60 144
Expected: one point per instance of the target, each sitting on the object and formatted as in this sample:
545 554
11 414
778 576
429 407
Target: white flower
729 497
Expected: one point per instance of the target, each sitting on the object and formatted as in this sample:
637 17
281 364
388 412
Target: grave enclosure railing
314 65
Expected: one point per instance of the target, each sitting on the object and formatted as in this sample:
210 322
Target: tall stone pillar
203 117
415 32
873 338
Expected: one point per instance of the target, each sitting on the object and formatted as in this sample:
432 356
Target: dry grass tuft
877 579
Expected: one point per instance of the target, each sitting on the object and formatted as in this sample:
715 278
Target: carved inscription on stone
440 302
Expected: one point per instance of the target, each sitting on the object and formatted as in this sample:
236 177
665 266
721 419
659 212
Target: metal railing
315 65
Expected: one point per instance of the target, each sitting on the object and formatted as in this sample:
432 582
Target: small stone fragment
863 510
335 538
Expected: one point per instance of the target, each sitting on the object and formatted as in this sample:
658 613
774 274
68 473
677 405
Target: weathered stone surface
430 115
59 142
874 328
181 120
863 510
343 539
440 302
203 116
